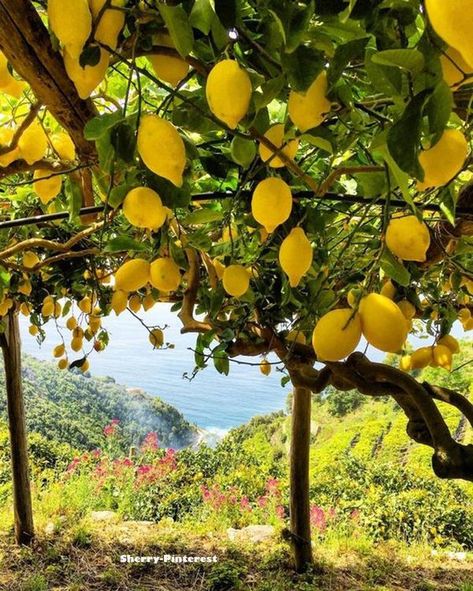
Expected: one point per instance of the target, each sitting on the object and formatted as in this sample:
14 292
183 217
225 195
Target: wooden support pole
299 478
11 348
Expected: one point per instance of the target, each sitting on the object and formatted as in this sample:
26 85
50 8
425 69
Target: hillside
72 408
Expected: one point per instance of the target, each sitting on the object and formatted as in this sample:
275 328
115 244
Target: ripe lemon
148 302
111 22
86 305
71 323
33 330
49 188
59 350
336 335
161 148
296 336
275 135
219 268
71 22
443 357
25 309
85 366
86 79
14 88
171 69
295 255
62 363
230 233
165 274
134 303
388 289
408 238
132 275
6 136
143 208
405 363
455 70
228 92
265 367
33 143
156 338
271 204
77 343
30 259
450 342
307 110
383 323
443 161
119 301
63 146
407 308
453 21
48 306
421 358
236 280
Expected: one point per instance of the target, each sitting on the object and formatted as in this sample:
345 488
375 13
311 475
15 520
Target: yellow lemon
388 289
134 303
407 308
48 188
453 21
14 88
156 338
405 363
25 309
86 305
450 342
336 335
219 268
295 255
30 259
86 79
443 161
296 336
148 302
228 92
271 203
443 357
165 274
48 307
275 135
170 68
408 238
62 363
308 109
71 323
111 21
119 301
455 70
265 367
132 275
59 350
143 208
236 280
161 148
33 330
77 343
63 146
383 323
71 22
6 136
33 143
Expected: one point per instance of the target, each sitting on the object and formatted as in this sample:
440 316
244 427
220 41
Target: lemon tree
293 178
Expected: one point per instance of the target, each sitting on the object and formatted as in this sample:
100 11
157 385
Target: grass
87 556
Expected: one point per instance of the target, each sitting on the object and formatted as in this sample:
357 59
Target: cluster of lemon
438 355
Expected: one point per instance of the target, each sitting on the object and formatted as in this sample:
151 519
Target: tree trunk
11 347
300 506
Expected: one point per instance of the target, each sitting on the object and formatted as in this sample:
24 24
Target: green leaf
98 126
448 204
269 91
385 79
343 55
439 107
243 151
221 362
117 195
176 21
401 178
202 16
4 278
395 269
298 24
227 12
411 60
90 56
123 140
203 216
302 66
74 197
122 244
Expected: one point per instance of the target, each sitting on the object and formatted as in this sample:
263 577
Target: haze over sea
212 401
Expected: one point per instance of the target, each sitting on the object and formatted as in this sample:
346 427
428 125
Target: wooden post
299 478
11 347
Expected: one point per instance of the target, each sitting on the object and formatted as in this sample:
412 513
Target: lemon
383 323
265 367
119 301
453 22
308 109
388 289
336 335
165 274
6 136
25 309
132 275
219 268
134 303
443 357
236 280
86 79
171 69
143 208
230 233
63 146
71 22
33 143
443 161
111 21
156 338
86 305
295 255
408 238
228 92
455 70
296 336
48 306
62 363
77 343
85 366
450 342
71 323
48 188
407 308
94 324
14 88
161 148
30 259
57 310
271 203
275 135
405 363
33 330
59 350
148 302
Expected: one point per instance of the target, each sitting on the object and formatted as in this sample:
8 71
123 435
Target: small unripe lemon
143 208
275 135
156 338
161 148
383 323
132 275
236 280
271 203
336 335
295 256
308 109
228 92
443 357
49 188
450 342
265 367
443 161
408 238
165 274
